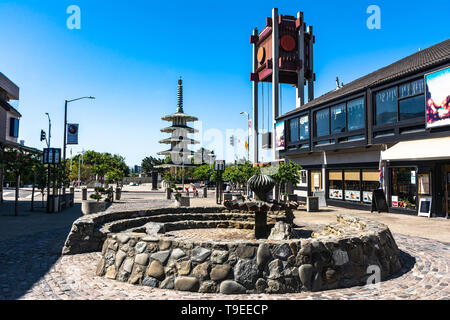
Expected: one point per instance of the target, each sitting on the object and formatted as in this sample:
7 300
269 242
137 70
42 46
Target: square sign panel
438 98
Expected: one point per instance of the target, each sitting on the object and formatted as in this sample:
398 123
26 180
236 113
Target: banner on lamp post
72 133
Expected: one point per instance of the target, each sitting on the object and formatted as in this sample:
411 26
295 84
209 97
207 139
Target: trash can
312 204
83 193
118 193
205 192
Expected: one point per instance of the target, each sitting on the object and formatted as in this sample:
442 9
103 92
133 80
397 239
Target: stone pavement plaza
33 268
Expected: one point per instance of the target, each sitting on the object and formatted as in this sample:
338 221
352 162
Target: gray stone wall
337 257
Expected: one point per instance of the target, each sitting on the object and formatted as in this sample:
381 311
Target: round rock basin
223 256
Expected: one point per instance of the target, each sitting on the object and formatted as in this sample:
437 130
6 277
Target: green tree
287 173
149 163
203 172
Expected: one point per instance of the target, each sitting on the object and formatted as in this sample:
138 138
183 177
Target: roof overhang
426 149
11 89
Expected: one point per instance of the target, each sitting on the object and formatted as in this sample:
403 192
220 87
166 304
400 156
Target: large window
293 126
386 106
335 189
352 185
370 182
14 127
356 114
403 188
323 122
304 128
400 103
338 119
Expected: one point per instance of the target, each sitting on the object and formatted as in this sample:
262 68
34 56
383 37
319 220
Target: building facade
389 129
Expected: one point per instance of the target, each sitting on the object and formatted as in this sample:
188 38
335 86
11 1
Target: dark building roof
421 60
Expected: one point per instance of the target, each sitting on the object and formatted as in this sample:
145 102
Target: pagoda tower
179 142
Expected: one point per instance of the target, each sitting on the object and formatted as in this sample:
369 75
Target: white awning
426 149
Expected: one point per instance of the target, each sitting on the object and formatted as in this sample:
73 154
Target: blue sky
129 55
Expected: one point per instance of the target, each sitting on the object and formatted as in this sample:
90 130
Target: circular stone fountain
216 249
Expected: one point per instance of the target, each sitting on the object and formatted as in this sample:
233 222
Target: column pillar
311 65
275 77
255 104
301 56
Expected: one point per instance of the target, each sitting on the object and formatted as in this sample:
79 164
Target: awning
425 149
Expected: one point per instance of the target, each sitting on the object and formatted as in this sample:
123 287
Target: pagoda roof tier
170 152
179 115
173 165
173 128
171 140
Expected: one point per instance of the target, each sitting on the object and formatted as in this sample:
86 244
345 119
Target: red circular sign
73 129
287 42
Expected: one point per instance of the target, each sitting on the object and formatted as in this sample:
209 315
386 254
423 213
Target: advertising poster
335 194
438 98
394 201
279 136
352 195
367 196
72 133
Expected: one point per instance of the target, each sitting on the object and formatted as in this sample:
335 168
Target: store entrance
446 198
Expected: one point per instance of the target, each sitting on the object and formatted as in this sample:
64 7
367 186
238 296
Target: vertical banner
72 133
279 136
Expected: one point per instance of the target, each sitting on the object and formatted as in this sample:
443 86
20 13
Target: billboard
279 136
437 98
72 133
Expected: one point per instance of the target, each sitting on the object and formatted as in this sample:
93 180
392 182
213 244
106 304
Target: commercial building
388 129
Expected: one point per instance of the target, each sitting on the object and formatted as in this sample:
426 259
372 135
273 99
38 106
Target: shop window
338 119
293 126
304 128
335 186
303 177
356 114
316 181
411 88
423 184
404 189
322 123
411 108
370 182
352 185
14 127
386 106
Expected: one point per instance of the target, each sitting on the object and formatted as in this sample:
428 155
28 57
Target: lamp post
49 130
248 135
65 134
79 167
48 166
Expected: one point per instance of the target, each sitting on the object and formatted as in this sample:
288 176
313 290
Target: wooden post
255 103
301 56
275 77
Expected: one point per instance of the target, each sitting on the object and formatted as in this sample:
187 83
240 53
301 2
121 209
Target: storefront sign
317 180
425 207
279 136
413 177
335 194
437 98
352 195
394 200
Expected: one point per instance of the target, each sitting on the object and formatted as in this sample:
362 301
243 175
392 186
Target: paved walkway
31 266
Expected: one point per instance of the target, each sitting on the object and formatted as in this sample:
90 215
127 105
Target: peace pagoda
179 152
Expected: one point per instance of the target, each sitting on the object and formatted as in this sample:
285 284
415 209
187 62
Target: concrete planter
90 207
312 204
183 201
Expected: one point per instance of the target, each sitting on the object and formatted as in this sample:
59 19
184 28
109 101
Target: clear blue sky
129 55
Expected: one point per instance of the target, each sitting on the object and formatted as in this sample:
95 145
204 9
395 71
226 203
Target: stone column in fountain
261 184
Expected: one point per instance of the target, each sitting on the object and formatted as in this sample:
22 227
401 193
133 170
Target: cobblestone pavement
32 268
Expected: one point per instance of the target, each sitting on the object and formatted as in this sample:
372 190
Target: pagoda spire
180 96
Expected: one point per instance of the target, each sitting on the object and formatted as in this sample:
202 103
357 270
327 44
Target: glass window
424 183
293 125
370 182
304 128
356 114
335 190
386 106
322 123
352 186
338 119
404 189
14 127
411 88
411 108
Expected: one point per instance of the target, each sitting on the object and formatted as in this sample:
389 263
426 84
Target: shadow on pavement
32 245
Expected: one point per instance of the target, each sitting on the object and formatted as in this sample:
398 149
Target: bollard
205 192
118 193
83 193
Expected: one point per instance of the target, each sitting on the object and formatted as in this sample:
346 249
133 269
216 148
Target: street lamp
248 135
49 130
79 166
65 133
